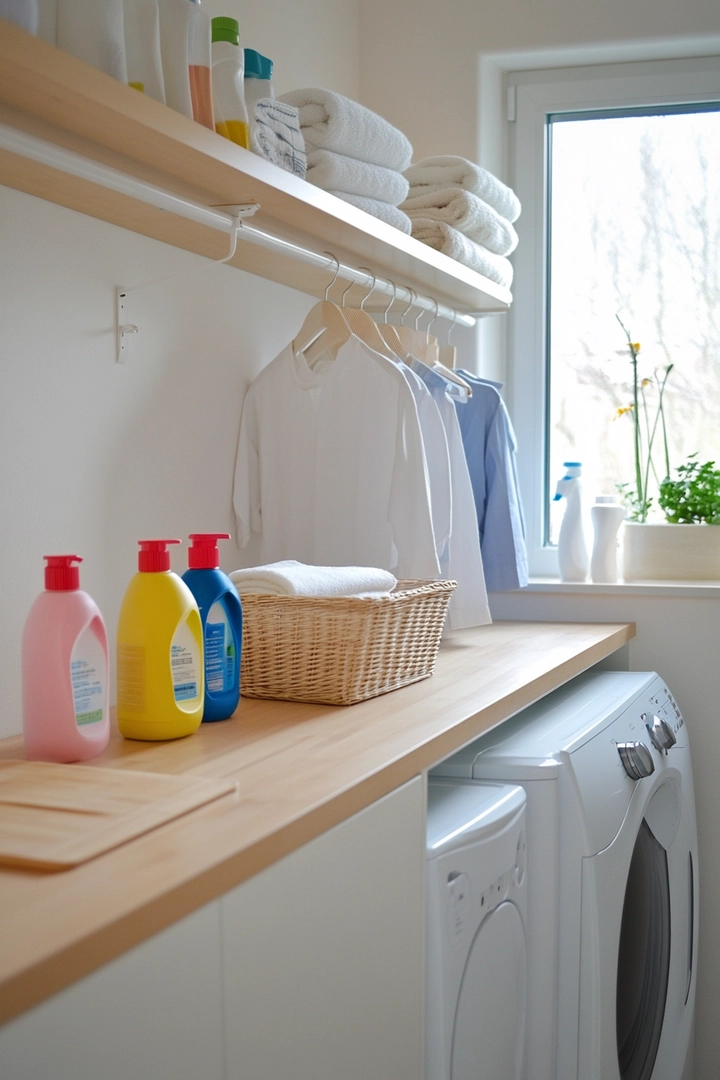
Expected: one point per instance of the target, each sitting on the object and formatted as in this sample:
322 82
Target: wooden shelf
300 770
50 94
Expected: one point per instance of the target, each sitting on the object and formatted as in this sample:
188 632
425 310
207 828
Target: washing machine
476 977
612 874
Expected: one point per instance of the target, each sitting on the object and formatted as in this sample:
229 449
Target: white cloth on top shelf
450 242
432 173
330 121
331 466
338 172
490 448
383 211
292 578
462 559
468 214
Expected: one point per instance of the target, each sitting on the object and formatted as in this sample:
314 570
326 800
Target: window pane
635 233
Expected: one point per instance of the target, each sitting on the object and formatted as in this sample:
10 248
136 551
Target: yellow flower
623 410
635 346
646 382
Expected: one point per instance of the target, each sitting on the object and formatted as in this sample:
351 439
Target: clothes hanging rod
67 161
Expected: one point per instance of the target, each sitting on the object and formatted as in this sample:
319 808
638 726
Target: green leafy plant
647 423
695 496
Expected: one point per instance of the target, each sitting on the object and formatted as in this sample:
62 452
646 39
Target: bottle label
88 673
220 650
184 664
131 678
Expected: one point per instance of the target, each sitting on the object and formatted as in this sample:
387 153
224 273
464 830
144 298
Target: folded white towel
466 213
292 578
434 173
450 242
338 172
330 121
381 210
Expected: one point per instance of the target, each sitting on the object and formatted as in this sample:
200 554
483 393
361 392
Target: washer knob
661 734
636 759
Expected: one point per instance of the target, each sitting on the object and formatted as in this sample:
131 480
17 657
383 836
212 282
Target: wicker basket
343 649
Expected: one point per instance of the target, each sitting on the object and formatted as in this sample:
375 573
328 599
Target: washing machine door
489 1028
638 940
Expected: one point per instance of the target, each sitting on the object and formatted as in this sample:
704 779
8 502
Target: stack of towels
353 153
292 578
464 211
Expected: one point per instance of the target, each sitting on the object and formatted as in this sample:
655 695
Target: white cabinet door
155 1013
323 954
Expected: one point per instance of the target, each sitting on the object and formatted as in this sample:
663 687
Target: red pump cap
204 554
153 556
60 574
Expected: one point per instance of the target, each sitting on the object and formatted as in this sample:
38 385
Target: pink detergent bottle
65 671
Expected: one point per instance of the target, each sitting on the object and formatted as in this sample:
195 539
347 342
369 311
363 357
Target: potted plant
686 545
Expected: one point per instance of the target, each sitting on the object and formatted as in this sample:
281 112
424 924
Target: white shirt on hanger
462 560
331 467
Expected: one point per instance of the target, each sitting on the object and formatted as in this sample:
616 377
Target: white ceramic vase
664 552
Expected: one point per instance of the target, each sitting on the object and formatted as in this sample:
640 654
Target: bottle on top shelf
94 32
258 83
228 66
65 673
142 47
185 54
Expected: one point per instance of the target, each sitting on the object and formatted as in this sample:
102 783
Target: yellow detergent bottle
160 663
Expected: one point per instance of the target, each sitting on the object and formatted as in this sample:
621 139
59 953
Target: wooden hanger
447 352
416 342
389 332
360 322
324 329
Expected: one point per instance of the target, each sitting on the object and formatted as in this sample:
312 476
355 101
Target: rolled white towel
292 578
338 172
330 121
466 213
381 210
450 242
433 173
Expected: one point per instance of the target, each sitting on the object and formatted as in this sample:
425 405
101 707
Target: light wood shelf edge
301 770
48 93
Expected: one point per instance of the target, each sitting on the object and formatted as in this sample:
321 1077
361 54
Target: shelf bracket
123 328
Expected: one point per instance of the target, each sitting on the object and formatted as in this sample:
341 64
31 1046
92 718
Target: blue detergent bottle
221 616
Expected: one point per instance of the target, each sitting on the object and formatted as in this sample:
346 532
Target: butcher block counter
298 770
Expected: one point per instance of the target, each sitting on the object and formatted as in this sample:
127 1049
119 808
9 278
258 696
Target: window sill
678 589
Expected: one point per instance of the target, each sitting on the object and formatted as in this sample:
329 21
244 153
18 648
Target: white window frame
531 97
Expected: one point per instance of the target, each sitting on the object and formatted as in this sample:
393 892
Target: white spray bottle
573 558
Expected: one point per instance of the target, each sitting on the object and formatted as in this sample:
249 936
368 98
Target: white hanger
416 342
324 329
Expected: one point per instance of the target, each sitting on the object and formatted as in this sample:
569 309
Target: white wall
96 455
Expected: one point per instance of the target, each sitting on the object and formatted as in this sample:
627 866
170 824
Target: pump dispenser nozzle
60 574
204 553
153 556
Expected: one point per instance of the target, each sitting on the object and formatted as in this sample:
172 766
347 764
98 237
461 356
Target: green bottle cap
226 29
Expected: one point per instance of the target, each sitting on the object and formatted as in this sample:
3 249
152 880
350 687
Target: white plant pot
665 552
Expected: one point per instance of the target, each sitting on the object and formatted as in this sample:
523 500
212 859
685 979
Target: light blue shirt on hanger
490 446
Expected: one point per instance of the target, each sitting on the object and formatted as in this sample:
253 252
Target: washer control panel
636 758
660 731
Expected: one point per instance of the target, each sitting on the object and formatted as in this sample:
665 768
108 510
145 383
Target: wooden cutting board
53 817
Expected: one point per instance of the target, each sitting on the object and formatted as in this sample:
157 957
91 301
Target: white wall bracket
123 328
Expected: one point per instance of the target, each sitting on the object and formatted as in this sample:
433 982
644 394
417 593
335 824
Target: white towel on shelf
381 210
433 173
338 172
292 578
450 242
466 213
330 121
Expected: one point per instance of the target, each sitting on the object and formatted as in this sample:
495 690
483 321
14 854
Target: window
618 171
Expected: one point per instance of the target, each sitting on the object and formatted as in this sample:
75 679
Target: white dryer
612 869
477 912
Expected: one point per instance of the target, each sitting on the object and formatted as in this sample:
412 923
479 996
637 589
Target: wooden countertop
300 770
